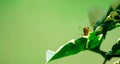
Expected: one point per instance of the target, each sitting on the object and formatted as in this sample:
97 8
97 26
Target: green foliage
116 48
93 40
75 46
70 48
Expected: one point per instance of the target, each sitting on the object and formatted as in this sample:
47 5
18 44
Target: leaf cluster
94 39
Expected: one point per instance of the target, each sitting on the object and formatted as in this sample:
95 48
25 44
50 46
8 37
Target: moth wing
95 15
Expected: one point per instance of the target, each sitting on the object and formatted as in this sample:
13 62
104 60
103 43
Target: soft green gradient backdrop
30 27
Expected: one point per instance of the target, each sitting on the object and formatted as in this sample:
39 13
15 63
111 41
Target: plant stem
104 61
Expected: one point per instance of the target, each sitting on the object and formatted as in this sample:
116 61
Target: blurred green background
30 27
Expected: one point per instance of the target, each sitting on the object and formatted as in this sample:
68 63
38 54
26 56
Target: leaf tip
49 55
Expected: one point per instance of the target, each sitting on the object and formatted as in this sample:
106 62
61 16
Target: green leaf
70 48
114 52
113 26
116 47
94 41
